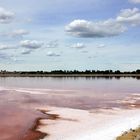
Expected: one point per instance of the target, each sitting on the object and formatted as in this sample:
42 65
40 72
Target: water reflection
92 77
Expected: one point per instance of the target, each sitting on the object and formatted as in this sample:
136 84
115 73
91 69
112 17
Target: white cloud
53 54
78 46
134 1
101 46
31 44
84 28
24 52
6 16
106 28
130 16
7 47
19 33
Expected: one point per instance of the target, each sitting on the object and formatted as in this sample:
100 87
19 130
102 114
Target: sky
67 34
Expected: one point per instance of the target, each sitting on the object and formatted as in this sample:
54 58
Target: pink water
20 96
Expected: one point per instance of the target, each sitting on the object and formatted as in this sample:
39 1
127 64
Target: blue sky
69 34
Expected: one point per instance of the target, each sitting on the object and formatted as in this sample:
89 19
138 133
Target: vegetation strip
96 72
69 73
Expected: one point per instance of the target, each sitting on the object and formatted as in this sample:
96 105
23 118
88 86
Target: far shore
69 75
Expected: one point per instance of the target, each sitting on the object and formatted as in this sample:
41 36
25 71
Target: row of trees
72 72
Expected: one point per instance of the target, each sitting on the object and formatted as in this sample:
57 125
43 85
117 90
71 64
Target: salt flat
75 124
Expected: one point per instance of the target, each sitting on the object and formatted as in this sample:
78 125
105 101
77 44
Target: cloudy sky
69 34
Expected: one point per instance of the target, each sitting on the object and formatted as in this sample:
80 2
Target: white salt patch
2 88
83 125
36 91
30 91
131 99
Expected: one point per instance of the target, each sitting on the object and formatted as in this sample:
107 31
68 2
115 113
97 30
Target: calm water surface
77 92
97 84
19 98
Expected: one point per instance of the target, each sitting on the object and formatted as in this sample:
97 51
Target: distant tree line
71 72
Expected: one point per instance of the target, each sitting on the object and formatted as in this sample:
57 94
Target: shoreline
71 75
67 124
33 134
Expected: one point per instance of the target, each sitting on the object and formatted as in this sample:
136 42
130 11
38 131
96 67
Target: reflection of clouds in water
62 98
132 100
83 93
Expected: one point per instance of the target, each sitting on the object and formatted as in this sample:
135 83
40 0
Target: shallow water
82 93
20 96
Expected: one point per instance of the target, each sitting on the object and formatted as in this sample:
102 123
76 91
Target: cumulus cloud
24 52
53 54
31 44
15 33
84 28
78 46
7 47
6 16
101 46
106 28
19 33
134 1
130 16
